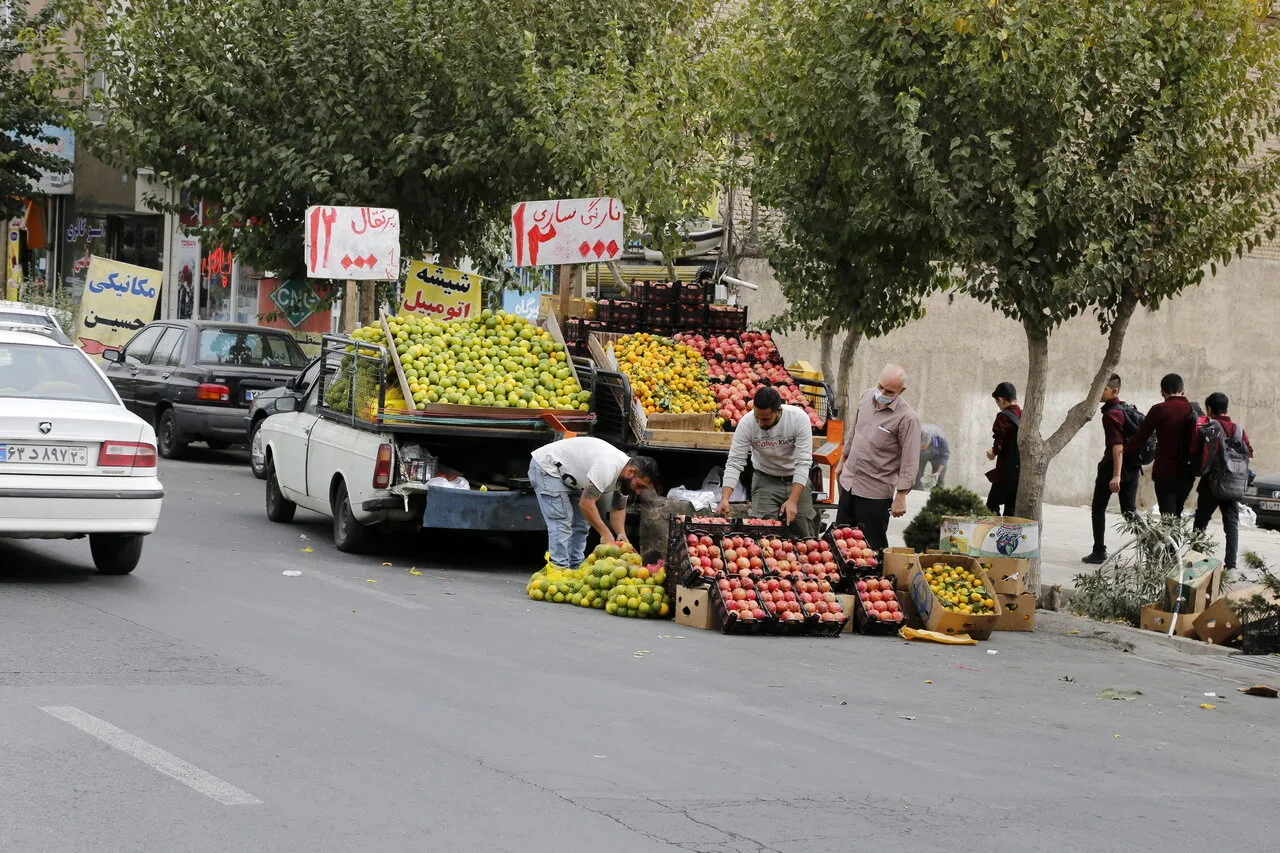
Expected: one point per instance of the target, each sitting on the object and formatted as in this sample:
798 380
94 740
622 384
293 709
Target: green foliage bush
925 529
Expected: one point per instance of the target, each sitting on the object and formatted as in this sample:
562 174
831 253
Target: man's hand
1115 485
723 508
790 509
620 538
991 454
607 537
899 505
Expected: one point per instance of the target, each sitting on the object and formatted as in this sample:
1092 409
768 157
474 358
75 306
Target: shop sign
62 146
440 292
297 300
352 243
118 300
570 231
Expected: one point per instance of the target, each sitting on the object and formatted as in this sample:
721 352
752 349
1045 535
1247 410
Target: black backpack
1132 423
1192 465
1225 465
1010 453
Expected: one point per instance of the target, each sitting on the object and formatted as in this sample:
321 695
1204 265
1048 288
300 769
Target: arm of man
944 454
909 463
802 461
618 520
738 451
1117 463
589 503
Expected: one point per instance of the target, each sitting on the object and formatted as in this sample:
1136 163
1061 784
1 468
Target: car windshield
36 372
250 348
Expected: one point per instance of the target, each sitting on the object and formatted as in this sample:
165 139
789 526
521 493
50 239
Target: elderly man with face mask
780 442
881 454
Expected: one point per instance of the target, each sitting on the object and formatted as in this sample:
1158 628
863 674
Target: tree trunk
848 348
368 302
826 341
1037 452
616 272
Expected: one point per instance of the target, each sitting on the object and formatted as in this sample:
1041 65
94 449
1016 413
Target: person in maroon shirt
1206 502
1172 422
1118 472
1004 451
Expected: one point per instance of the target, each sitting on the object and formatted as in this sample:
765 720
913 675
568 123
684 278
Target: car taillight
382 469
214 393
126 454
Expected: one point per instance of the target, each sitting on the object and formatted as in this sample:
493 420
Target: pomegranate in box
778 595
879 599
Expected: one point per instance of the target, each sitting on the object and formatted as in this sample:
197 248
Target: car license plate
1269 506
43 454
249 395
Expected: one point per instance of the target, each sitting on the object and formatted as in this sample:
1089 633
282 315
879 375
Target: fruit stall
462 404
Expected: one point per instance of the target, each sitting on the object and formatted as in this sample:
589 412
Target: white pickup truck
328 452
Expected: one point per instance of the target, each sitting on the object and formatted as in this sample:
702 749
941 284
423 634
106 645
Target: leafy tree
26 104
1082 157
856 250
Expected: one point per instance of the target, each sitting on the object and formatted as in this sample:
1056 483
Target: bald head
893 381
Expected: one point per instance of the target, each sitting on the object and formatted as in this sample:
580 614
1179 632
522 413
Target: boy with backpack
1118 471
1004 450
1173 424
1222 451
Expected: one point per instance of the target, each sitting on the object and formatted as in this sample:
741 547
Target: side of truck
338 453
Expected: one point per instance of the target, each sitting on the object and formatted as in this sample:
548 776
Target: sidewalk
1068 535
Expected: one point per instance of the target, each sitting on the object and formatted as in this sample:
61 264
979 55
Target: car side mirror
113 355
287 403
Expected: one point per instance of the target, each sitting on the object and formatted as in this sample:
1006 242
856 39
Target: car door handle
165 375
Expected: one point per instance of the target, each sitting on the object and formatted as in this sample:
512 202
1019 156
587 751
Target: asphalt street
413 699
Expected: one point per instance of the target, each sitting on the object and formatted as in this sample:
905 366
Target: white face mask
881 398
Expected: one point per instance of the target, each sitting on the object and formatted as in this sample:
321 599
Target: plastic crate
794 628
658 316
820 628
729 621
620 312
1261 637
864 623
726 319
654 292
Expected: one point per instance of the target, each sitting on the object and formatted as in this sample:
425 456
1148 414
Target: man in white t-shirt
573 478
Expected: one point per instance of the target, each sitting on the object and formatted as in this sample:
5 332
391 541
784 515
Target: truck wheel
257 451
348 533
172 444
115 553
279 508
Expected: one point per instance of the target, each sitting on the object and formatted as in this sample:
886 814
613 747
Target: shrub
926 528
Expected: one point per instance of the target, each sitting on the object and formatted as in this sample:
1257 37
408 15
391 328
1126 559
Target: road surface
210 703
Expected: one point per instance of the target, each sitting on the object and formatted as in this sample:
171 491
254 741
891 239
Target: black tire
279 508
349 535
115 553
257 461
170 442
217 445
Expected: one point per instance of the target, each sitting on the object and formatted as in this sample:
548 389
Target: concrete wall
1221 336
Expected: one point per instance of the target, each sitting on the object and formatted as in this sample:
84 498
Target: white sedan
73 460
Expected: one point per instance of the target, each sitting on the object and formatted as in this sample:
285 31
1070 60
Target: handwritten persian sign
119 299
441 293
360 243
576 231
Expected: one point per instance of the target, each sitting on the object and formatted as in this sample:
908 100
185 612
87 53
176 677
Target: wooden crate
701 422
550 304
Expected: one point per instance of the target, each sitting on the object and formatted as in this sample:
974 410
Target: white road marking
153 756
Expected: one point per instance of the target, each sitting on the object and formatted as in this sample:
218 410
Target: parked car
34 315
74 461
194 379
268 403
1263 497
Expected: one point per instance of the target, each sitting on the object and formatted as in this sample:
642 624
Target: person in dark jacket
1004 451
1206 501
1172 422
1118 472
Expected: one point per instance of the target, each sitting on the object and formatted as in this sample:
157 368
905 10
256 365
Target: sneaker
1095 558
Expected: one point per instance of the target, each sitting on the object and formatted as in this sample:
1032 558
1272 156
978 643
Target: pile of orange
665 376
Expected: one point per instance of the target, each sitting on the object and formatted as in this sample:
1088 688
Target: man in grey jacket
780 441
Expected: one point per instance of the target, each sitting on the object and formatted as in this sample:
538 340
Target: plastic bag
711 483
703 500
934 636
458 482
1248 518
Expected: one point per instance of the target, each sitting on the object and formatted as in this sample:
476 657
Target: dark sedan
1263 497
195 379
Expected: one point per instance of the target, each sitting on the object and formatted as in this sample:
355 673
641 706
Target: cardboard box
694 610
998 536
1153 618
1017 612
1194 587
1218 623
910 614
846 604
1008 576
897 562
937 618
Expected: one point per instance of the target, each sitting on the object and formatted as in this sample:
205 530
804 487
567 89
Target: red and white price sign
361 243
573 231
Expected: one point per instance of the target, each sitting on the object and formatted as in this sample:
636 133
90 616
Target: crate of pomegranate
811 557
853 555
819 602
780 599
735 599
876 609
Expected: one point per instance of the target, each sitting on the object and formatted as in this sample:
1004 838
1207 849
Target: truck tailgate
499 511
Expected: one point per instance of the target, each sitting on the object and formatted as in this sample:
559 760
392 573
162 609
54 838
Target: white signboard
572 231
359 243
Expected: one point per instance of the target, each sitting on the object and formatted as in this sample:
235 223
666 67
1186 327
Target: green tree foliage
857 249
925 530
27 103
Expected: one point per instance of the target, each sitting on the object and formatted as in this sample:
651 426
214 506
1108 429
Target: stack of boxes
1193 605
1004 547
